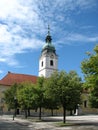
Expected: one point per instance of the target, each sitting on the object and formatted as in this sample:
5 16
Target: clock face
52 56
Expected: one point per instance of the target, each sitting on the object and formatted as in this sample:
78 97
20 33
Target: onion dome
48 45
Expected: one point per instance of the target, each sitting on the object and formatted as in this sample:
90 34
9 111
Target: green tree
10 96
90 69
26 95
51 100
94 97
65 89
40 94
74 91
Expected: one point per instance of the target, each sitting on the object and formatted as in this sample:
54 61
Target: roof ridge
21 74
11 78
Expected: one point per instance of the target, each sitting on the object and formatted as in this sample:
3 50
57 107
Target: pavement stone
85 122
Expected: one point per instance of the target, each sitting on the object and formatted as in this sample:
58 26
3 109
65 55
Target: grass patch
61 124
35 120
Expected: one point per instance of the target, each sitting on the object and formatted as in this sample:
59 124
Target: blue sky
23 28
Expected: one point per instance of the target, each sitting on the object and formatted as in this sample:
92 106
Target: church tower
48 62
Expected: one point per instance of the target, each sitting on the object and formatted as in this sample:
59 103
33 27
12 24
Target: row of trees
60 90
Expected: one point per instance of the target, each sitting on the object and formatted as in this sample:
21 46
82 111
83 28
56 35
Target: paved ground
89 122
9 125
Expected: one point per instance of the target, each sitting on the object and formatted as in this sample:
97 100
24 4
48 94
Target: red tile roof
12 78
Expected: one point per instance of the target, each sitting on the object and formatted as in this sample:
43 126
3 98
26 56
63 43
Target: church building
48 63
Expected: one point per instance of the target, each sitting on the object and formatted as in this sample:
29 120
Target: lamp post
15 107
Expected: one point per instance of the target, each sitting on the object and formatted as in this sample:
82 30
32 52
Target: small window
42 64
85 103
51 62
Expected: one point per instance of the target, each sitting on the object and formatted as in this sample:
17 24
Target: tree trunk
15 112
25 113
40 112
28 112
52 112
18 111
70 112
64 114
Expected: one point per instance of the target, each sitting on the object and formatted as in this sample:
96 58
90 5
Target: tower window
51 62
42 64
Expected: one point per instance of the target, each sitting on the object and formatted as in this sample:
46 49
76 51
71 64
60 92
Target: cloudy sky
23 28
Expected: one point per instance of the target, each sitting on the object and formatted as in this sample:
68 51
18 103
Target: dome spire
48 45
48 30
48 37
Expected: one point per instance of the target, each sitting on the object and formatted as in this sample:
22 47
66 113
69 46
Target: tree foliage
26 95
90 70
51 100
74 90
64 88
40 94
10 95
61 89
94 97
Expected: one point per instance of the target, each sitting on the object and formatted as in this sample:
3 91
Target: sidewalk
87 122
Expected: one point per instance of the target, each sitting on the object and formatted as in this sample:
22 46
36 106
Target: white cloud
85 4
1 71
23 24
82 38
71 38
7 7
5 36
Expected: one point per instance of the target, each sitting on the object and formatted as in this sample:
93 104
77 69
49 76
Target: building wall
3 106
83 108
45 64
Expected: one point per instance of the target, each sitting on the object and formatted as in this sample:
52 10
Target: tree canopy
90 69
64 88
61 89
10 95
